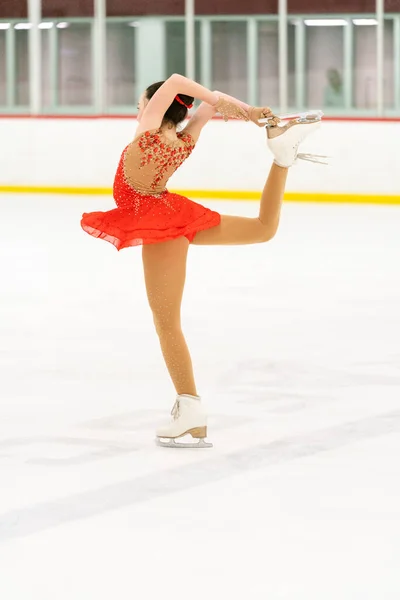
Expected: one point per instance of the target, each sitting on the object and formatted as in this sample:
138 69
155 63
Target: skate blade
171 443
319 159
311 116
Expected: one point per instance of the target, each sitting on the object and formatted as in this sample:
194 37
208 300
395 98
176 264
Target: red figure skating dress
147 212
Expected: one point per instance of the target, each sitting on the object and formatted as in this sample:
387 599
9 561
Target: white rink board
229 156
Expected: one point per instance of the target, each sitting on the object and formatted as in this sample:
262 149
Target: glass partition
268 63
325 65
121 64
229 57
300 60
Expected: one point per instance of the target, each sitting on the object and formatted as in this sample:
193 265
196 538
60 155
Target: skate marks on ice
48 450
63 451
215 467
289 386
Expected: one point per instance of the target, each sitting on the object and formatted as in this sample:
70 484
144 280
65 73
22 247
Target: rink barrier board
215 194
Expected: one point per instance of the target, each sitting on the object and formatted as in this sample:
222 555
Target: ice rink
296 348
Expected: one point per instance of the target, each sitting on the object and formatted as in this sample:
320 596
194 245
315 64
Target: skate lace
176 411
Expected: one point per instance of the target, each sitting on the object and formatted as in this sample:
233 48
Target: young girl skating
165 224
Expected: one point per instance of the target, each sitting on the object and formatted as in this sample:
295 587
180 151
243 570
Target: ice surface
296 347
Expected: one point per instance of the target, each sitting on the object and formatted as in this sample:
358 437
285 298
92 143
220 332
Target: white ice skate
188 418
284 141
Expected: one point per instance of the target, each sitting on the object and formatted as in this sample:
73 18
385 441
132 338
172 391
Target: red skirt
149 219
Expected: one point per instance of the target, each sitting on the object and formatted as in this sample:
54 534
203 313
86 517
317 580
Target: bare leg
165 273
243 230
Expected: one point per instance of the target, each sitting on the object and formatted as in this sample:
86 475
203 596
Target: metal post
396 34
205 55
10 67
300 65
35 78
349 73
283 56
190 39
53 60
99 56
380 10
252 62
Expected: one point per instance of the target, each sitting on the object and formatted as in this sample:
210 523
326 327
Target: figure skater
165 223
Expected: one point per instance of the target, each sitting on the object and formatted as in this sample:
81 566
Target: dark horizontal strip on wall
119 8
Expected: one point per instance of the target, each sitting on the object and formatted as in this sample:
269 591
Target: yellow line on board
342 198
293 196
33 189
213 194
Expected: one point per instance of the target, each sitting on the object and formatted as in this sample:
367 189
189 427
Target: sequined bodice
151 159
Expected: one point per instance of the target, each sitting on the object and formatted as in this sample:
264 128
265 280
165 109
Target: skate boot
188 418
284 141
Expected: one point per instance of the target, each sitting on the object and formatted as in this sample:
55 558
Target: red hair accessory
182 102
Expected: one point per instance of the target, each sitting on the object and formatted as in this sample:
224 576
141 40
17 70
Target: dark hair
176 113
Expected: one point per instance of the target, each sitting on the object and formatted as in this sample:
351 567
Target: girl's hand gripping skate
261 115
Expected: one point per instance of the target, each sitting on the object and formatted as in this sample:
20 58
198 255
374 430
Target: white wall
229 156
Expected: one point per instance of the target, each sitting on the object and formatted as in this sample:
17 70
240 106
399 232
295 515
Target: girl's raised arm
178 84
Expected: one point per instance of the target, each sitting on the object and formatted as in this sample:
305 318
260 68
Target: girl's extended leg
165 272
243 230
